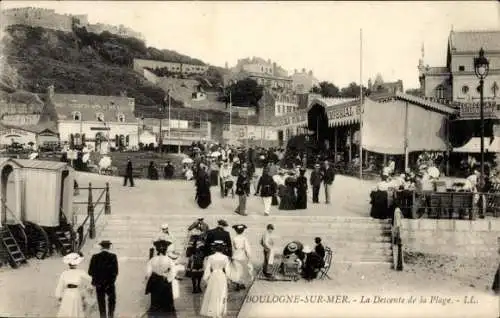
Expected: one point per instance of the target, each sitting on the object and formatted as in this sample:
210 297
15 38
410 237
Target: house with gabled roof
99 122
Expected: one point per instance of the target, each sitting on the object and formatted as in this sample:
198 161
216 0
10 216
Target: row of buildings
111 121
49 19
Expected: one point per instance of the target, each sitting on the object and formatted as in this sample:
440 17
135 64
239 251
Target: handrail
91 217
13 214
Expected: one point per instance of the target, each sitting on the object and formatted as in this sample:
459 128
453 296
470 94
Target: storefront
395 124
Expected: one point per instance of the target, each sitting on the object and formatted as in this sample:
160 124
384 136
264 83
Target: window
461 68
100 116
77 116
440 92
465 89
121 118
494 89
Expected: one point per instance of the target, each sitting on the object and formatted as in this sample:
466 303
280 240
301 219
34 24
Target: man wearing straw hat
104 269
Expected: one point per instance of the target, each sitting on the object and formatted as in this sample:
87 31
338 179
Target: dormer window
121 118
100 117
77 116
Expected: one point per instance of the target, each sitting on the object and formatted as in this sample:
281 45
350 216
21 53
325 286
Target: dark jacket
316 178
103 268
328 175
320 250
219 234
130 169
243 185
266 186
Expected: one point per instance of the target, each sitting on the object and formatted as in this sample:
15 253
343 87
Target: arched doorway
9 208
317 121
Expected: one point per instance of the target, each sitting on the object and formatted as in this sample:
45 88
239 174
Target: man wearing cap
219 234
104 269
316 179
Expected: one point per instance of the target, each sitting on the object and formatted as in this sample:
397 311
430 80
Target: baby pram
228 186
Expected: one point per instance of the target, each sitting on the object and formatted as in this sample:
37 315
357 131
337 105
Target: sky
323 37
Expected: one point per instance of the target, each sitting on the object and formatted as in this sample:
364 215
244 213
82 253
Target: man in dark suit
219 234
104 269
129 171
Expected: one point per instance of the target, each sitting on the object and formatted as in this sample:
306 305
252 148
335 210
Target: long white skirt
71 304
214 302
241 272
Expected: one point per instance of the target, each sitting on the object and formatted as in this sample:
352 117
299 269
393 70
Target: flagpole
230 117
361 106
169 122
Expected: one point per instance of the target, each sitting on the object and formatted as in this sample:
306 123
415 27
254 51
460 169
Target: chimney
50 91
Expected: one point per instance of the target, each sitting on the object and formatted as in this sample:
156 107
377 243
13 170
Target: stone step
208 218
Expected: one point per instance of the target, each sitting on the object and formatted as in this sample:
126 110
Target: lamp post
481 68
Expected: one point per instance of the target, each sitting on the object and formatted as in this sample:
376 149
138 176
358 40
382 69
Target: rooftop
467 41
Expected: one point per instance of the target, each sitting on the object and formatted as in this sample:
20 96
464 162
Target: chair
323 272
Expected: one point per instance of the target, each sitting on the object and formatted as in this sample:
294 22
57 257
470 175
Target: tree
353 90
246 93
327 89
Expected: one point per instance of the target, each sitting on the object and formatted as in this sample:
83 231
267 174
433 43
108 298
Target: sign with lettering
107 107
17 132
491 110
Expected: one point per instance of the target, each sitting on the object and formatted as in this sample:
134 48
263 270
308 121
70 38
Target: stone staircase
353 240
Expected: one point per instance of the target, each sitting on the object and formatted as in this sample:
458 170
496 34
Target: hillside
83 63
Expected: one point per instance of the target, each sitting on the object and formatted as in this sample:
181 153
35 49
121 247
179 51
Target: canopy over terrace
393 124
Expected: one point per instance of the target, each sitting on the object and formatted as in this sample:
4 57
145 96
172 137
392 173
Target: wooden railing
88 227
438 205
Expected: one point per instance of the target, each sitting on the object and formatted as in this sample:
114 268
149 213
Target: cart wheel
38 240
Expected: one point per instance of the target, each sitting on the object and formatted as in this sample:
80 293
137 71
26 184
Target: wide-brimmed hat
292 247
222 223
72 259
317 165
240 227
164 226
105 243
162 244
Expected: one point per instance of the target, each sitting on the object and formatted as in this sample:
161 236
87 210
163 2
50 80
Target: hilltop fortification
49 19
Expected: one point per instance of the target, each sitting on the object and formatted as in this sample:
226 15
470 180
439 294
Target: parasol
433 172
215 154
187 160
105 162
86 157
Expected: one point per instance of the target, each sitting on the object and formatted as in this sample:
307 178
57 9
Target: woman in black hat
289 199
242 269
203 196
301 185
160 274
217 266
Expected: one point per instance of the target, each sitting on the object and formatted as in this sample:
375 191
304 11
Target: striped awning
343 121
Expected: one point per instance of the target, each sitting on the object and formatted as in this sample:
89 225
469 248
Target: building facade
173 67
99 122
303 81
457 84
457 81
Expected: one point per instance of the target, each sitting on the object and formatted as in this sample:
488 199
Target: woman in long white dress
242 269
73 288
217 267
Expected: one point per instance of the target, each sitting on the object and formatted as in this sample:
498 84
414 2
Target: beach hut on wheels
36 206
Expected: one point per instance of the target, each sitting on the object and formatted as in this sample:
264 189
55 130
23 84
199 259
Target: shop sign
473 110
343 112
17 132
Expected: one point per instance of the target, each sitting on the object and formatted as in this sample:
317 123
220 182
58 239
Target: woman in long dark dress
160 275
289 199
203 196
301 186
